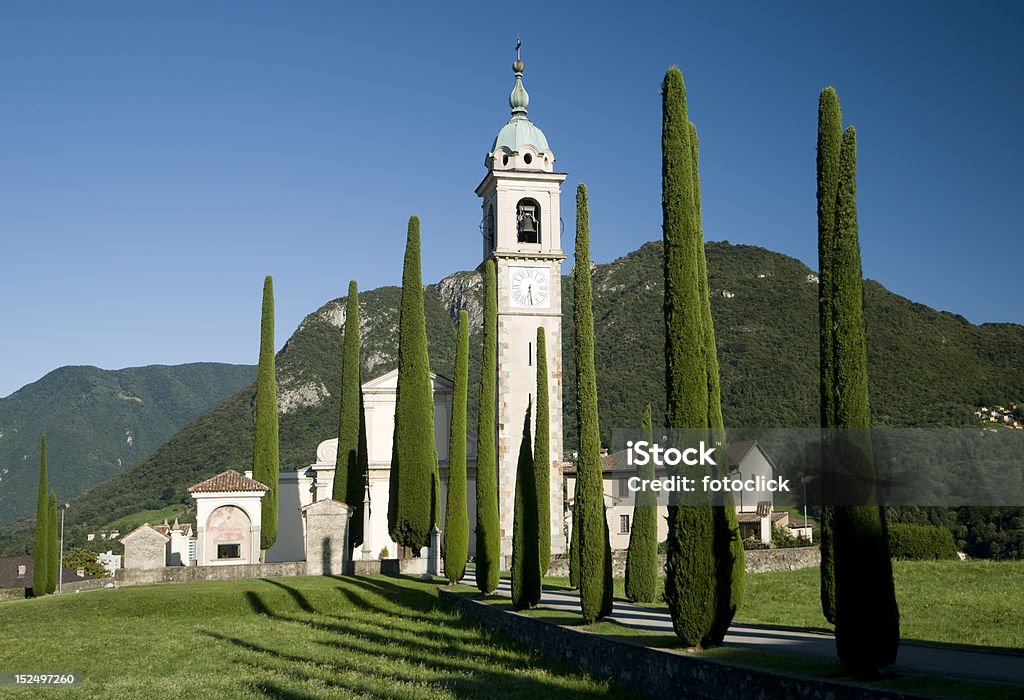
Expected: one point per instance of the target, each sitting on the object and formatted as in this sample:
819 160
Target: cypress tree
526 570
867 617
574 547
40 552
642 568
731 566
594 549
542 454
350 466
456 517
53 548
411 506
266 456
488 537
693 570
830 134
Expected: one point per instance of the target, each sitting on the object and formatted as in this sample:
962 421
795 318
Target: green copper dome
519 131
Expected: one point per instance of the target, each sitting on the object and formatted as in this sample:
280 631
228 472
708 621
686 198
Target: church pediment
388 383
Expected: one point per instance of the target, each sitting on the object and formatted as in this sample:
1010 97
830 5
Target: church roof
519 131
228 481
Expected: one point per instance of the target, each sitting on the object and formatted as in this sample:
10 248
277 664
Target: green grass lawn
964 603
305 637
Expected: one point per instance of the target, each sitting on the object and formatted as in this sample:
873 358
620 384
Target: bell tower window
528 221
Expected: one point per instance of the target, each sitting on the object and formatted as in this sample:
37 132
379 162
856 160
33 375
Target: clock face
529 287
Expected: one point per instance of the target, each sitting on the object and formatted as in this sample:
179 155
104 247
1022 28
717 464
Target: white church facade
299 488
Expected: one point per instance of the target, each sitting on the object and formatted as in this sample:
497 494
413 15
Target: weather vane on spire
519 45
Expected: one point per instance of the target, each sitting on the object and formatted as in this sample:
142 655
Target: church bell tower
522 230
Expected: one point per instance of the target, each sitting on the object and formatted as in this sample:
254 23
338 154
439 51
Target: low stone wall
11 593
658 673
88 584
787 559
387 567
181 574
757 561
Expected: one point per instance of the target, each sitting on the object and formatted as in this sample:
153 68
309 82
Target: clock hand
529 294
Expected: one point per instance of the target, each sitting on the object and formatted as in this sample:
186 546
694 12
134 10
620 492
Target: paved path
914 659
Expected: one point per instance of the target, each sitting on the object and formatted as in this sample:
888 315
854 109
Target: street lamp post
60 562
804 478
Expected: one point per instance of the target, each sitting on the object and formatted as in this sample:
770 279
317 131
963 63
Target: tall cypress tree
456 517
40 552
53 548
488 537
542 454
411 510
830 134
266 457
350 466
594 549
574 546
731 566
526 570
642 568
692 570
867 617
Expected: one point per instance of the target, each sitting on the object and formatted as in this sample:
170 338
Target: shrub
920 542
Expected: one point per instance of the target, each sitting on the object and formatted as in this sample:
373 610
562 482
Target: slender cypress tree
266 457
40 553
411 509
488 536
542 454
594 549
830 134
350 468
574 546
642 557
526 570
456 517
692 570
53 548
867 617
728 543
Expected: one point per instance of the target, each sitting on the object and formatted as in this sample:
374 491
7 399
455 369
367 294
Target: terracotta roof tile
228 481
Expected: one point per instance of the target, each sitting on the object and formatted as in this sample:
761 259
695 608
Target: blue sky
158 159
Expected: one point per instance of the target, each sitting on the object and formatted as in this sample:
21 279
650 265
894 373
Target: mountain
927 368
99 423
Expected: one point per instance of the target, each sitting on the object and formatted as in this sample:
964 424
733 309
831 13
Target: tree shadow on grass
366 660
295 593
400 596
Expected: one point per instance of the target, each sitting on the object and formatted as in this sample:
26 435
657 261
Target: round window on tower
504 160
528 158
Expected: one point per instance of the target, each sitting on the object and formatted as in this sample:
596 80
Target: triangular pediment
388 383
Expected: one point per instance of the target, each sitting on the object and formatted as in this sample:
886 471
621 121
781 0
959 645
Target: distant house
754 509
16 573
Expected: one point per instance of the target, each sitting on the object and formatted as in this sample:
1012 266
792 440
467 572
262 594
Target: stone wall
181 574
757 561
12 593
787 559
658 672
145 548
326 536
88 584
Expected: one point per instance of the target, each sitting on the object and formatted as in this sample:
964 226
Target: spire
518 100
